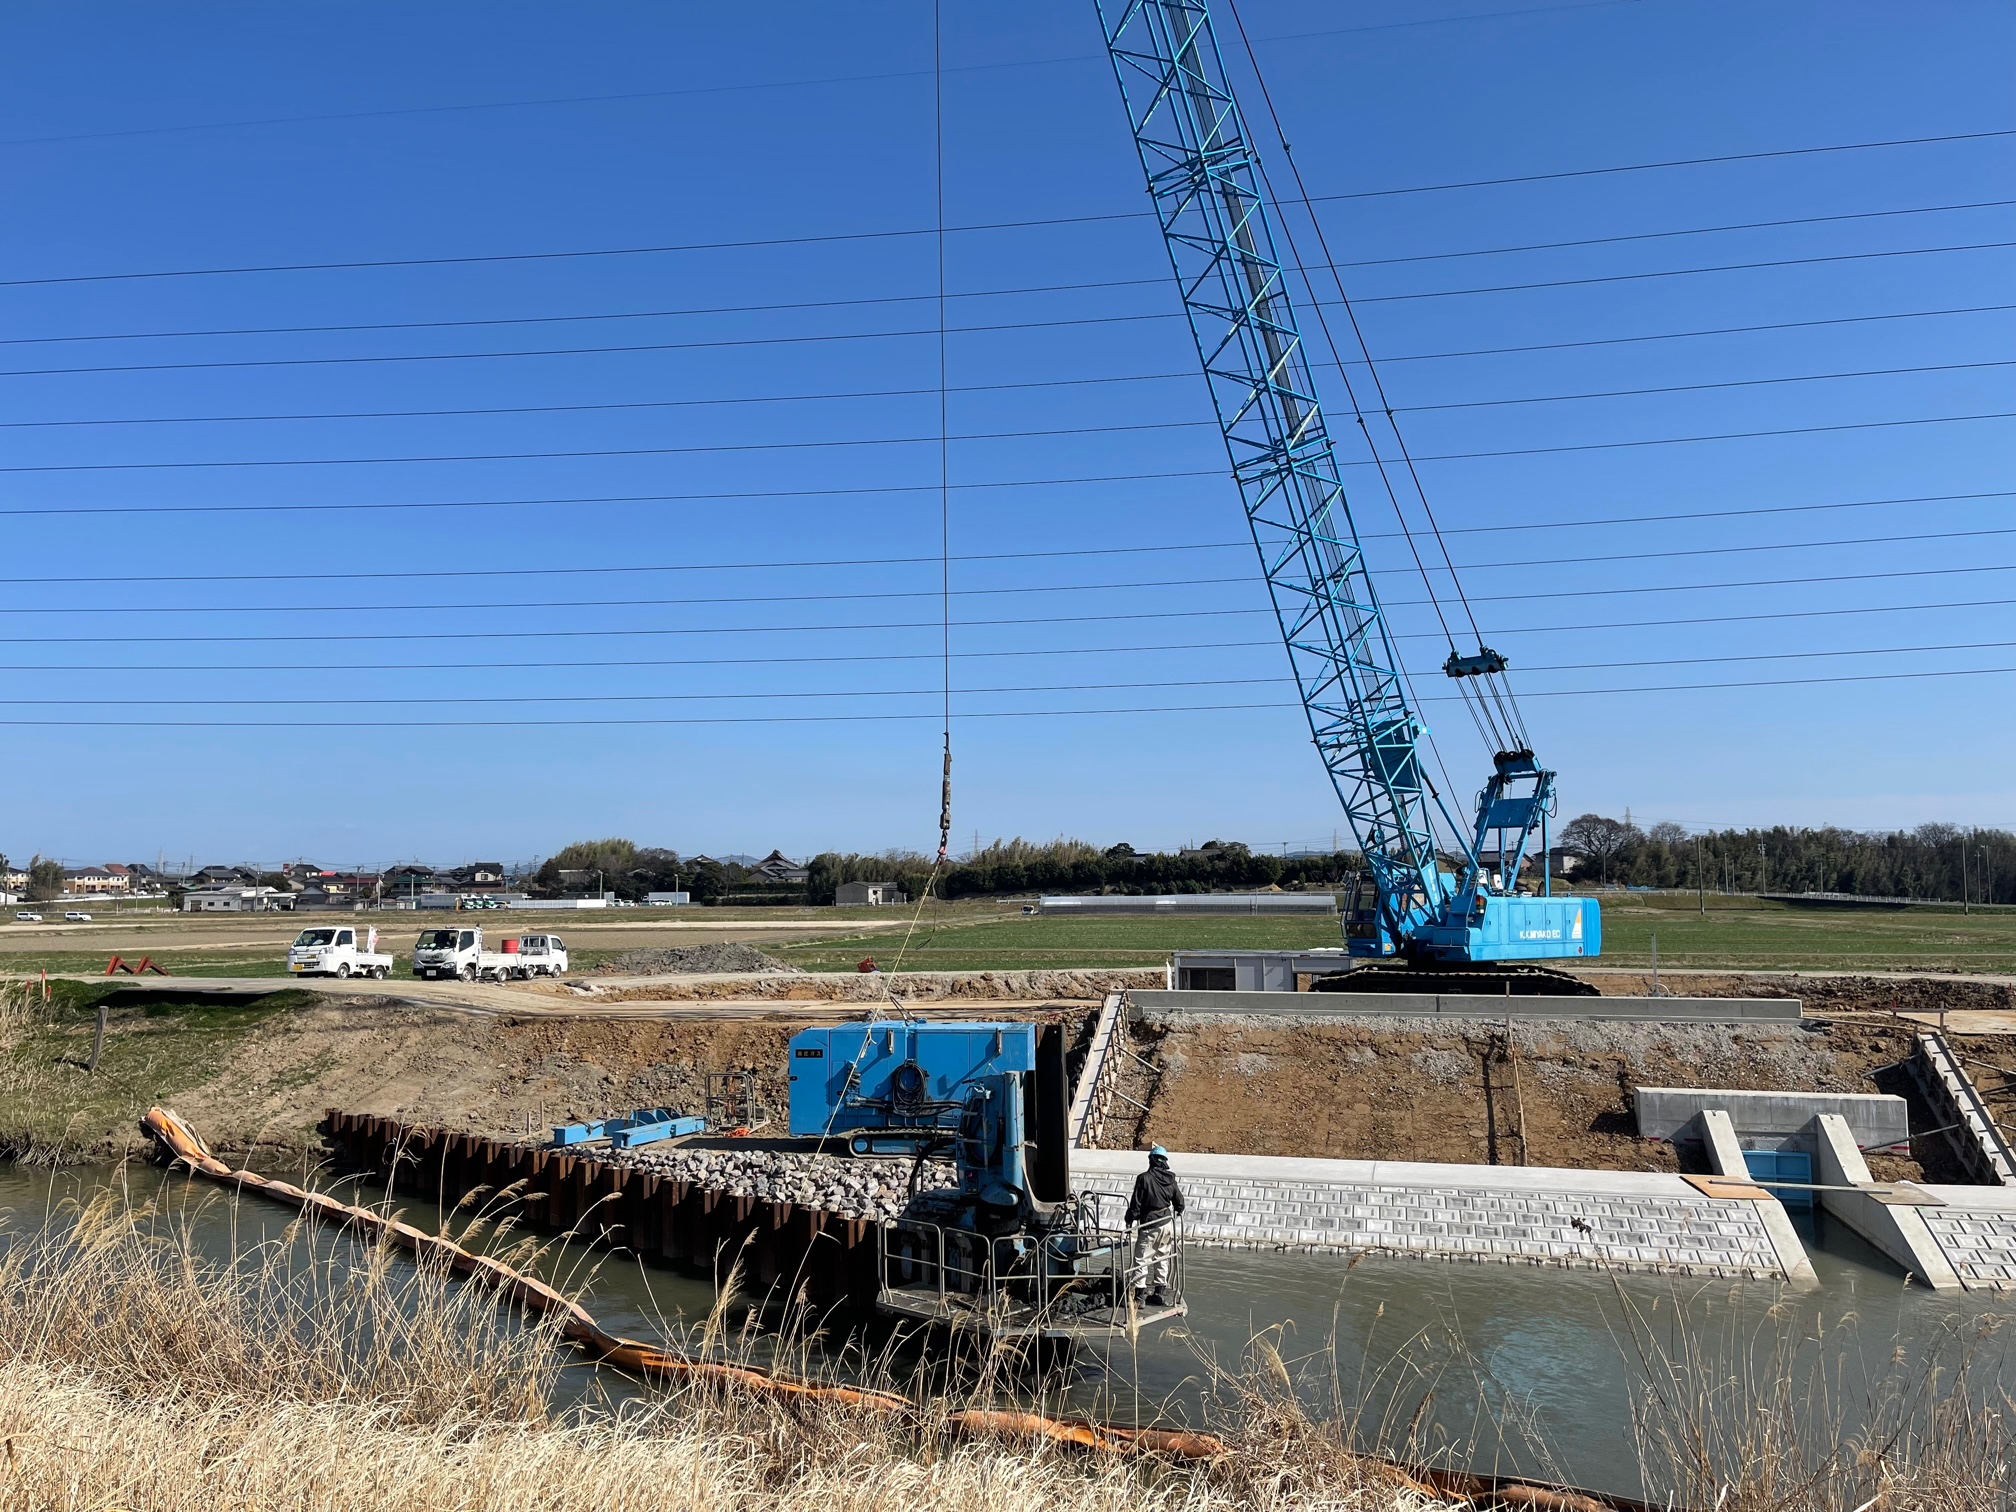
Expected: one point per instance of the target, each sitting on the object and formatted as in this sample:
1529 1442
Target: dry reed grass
135 1372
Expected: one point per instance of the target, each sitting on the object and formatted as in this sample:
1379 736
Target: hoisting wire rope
1378 461
939 861
1508 719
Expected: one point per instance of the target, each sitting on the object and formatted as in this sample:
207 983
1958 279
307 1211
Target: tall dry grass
137 1372
1764 1419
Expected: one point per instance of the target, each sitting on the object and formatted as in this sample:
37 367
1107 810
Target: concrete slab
1347 1007
1877 1120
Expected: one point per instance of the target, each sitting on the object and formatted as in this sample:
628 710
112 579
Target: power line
1583 281
1187 708
1682 516
809 493
946 592
691 311
719 89
1552 628
740 696
748 243
1050 383
659 631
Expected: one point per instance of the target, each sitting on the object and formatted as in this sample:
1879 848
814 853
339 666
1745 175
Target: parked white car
332 950
77 917
29 918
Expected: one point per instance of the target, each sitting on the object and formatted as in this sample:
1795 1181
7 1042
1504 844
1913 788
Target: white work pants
1154 1252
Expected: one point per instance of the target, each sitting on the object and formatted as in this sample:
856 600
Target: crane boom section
1205 183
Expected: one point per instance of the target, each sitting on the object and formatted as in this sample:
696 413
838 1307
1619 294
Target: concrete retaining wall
1878 1121
1602 1219
1347 1007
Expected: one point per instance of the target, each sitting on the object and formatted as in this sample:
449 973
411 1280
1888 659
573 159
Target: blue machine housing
1499 928
896 1087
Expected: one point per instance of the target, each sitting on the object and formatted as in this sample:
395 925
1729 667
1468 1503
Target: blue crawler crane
1007 1252
1464 925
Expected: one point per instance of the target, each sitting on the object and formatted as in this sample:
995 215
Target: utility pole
1700 877
1987 878
1966 898
1763 867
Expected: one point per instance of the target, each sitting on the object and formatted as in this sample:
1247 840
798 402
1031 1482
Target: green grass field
1013 944
1735 932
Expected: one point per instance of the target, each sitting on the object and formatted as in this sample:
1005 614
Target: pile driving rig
1466 928
1008 1253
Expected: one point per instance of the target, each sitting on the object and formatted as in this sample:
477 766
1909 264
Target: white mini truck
333 951
460 953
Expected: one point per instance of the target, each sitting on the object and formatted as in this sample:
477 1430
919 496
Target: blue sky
193 663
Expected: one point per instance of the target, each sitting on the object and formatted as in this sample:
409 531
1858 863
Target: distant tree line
1926 862
1002 868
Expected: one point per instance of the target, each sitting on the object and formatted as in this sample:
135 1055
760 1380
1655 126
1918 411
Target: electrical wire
691 311
1059 383
1583 281
745 243
1553 627
1186 708
1275 679
1591 522
920 692
810 493
657 631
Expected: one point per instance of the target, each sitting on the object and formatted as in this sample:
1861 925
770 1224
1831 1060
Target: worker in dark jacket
1155 1206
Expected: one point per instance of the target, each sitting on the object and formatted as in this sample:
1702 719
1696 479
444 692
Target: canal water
1491 1367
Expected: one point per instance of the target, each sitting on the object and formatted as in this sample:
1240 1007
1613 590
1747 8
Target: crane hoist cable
939 861
1495 707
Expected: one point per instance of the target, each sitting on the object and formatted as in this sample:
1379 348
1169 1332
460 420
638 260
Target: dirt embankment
1822 995
262 1092
1401 1089
869 987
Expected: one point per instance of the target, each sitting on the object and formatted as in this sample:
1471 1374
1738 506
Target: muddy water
1512 1368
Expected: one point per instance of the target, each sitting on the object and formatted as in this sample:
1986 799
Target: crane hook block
1483 664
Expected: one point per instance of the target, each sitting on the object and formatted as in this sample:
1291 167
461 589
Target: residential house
93 881
225 876
226 899
778 867
478 877
868 894
408 880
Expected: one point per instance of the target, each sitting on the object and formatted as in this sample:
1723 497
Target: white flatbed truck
332 950
460 953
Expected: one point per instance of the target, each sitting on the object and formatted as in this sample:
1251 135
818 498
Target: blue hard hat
1158 1150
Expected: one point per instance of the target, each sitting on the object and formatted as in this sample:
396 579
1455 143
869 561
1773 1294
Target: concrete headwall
1877 1121
1604 1219
1352 1006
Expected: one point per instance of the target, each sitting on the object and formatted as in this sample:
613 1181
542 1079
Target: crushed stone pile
875 1189
692 959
